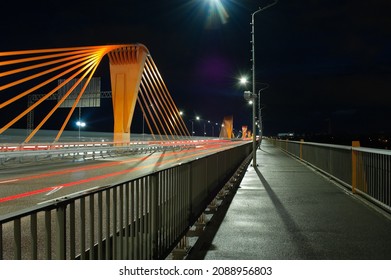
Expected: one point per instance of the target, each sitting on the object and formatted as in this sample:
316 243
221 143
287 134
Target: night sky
327 62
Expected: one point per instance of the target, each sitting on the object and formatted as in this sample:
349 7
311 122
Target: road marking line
9 181
55 189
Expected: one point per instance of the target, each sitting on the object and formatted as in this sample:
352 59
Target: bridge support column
126 69
227 129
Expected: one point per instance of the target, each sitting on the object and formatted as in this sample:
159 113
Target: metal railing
366 171
142 218
21 153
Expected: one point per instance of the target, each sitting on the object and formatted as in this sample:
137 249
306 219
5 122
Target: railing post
301 148
154 216
354 165
61 228
18 239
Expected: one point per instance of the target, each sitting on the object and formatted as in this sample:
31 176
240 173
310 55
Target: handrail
143 218
366 171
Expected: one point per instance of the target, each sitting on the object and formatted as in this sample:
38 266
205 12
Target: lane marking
9 181
55 189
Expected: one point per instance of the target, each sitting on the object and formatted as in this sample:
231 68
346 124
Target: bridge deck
286 211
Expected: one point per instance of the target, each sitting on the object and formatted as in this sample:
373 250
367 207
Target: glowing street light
197 118
243 80
80 124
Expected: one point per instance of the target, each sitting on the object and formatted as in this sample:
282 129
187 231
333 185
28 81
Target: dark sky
327 62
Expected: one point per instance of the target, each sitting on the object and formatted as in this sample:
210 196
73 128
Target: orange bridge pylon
134 79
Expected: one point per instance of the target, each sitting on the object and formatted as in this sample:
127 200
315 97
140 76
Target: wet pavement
284 210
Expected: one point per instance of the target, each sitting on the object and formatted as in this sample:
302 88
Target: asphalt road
25 185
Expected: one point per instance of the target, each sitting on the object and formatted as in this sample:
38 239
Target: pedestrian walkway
284 210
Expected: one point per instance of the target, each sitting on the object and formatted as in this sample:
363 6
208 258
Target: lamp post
260 124
253 69
80 124
197 118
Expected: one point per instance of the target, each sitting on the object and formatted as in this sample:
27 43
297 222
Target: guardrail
366 171
142 218
35 152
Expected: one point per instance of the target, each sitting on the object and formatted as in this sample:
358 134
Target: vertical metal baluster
381 183
159 212
34 236
172 225
165 210
48 235
374 174
121 221
177 218
132 220
137 213
82 229
388 183
100 226
154 216
127 222
108 222
169 208
92 226
142 219
17 240
72 231
184 196
146 213
146 219
61 232
115 212
189 194
1 242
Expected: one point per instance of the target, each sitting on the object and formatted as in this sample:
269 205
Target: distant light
80 124
197 118
243 80
250 102
181 113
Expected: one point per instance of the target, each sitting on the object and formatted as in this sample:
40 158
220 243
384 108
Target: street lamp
253 69
80 124
243 80
197 118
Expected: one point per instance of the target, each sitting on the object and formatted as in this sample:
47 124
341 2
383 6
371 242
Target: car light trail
104 176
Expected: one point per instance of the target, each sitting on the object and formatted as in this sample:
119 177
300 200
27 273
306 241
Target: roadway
26 185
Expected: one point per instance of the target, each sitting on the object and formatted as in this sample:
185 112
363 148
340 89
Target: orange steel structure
134 79
227 127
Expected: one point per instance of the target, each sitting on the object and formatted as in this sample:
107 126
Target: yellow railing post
354 165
